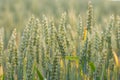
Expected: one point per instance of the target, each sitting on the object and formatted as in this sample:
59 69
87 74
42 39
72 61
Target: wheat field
44 42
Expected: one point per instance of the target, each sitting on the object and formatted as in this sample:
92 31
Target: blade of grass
39 74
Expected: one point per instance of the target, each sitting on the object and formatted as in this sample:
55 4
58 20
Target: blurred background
15 13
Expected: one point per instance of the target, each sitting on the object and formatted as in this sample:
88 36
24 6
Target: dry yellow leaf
85 34
61 63
116 58
1 71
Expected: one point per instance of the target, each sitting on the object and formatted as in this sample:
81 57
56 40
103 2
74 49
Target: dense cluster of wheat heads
50 51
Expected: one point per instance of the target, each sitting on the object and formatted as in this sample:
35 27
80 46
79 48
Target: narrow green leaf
39 74
102 74
72 58
92 66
